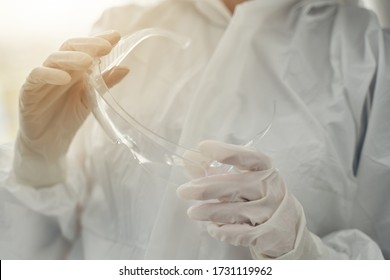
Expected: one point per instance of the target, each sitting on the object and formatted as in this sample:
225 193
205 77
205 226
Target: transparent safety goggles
157 154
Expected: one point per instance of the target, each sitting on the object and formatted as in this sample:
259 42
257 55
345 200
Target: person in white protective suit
317 186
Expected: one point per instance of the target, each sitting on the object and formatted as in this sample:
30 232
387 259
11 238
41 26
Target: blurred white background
31 30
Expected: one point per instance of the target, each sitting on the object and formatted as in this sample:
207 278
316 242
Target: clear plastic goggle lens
156 154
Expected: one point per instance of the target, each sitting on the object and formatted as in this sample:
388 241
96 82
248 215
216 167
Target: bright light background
31 29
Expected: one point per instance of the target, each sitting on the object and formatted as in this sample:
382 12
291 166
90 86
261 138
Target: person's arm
39 181
25 233
254 208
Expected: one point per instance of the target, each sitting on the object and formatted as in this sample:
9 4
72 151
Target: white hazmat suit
325 64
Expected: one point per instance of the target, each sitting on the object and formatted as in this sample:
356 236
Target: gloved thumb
115 75
239 156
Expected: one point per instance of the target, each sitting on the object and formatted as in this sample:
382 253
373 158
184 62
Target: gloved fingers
269 240
69 60
112 36
115 75
250 212
239 156
46 75
94 46
195 163
235 234
245 186
272 238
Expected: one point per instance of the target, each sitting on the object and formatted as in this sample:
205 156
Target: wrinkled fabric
250 207
325 67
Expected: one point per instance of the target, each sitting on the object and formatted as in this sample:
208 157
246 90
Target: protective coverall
324 63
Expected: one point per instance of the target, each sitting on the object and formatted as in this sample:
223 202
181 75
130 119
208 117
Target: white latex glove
53 106
252 208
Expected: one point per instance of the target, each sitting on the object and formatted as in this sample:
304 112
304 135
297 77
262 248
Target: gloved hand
251 208
53 106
